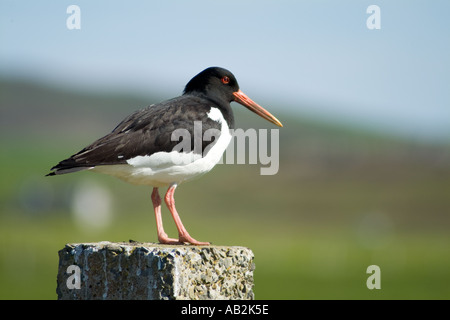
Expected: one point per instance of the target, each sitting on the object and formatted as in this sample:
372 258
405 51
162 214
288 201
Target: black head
220 85
215 83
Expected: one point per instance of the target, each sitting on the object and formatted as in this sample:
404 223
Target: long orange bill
242 98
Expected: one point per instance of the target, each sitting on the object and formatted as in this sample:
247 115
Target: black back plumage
149 130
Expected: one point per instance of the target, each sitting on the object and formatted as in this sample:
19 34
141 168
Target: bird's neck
223 106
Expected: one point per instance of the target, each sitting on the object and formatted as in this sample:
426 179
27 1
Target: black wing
145 132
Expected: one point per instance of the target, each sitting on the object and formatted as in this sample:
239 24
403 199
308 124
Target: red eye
225 80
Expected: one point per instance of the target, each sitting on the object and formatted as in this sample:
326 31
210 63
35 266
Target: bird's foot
164 239
186 238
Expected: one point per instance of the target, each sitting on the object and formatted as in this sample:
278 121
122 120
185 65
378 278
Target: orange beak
241 98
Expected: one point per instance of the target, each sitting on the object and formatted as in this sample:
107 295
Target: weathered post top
137 271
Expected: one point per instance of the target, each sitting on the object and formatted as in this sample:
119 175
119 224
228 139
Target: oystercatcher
144 149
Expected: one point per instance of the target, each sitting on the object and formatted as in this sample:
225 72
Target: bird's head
220 85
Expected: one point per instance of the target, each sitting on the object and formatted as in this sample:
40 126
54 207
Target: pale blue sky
313 57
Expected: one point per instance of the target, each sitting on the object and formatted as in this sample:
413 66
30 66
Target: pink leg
183 235
162 236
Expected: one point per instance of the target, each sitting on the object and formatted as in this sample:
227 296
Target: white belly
165 168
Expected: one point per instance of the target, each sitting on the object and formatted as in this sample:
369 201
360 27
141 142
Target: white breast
164 168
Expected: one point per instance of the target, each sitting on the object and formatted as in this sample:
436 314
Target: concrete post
136 271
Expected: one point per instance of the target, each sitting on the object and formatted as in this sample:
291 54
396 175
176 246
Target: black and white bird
145 148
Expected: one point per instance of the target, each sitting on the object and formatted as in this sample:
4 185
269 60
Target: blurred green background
363 178
342 200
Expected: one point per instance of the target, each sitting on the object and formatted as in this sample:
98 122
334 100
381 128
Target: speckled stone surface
152 271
